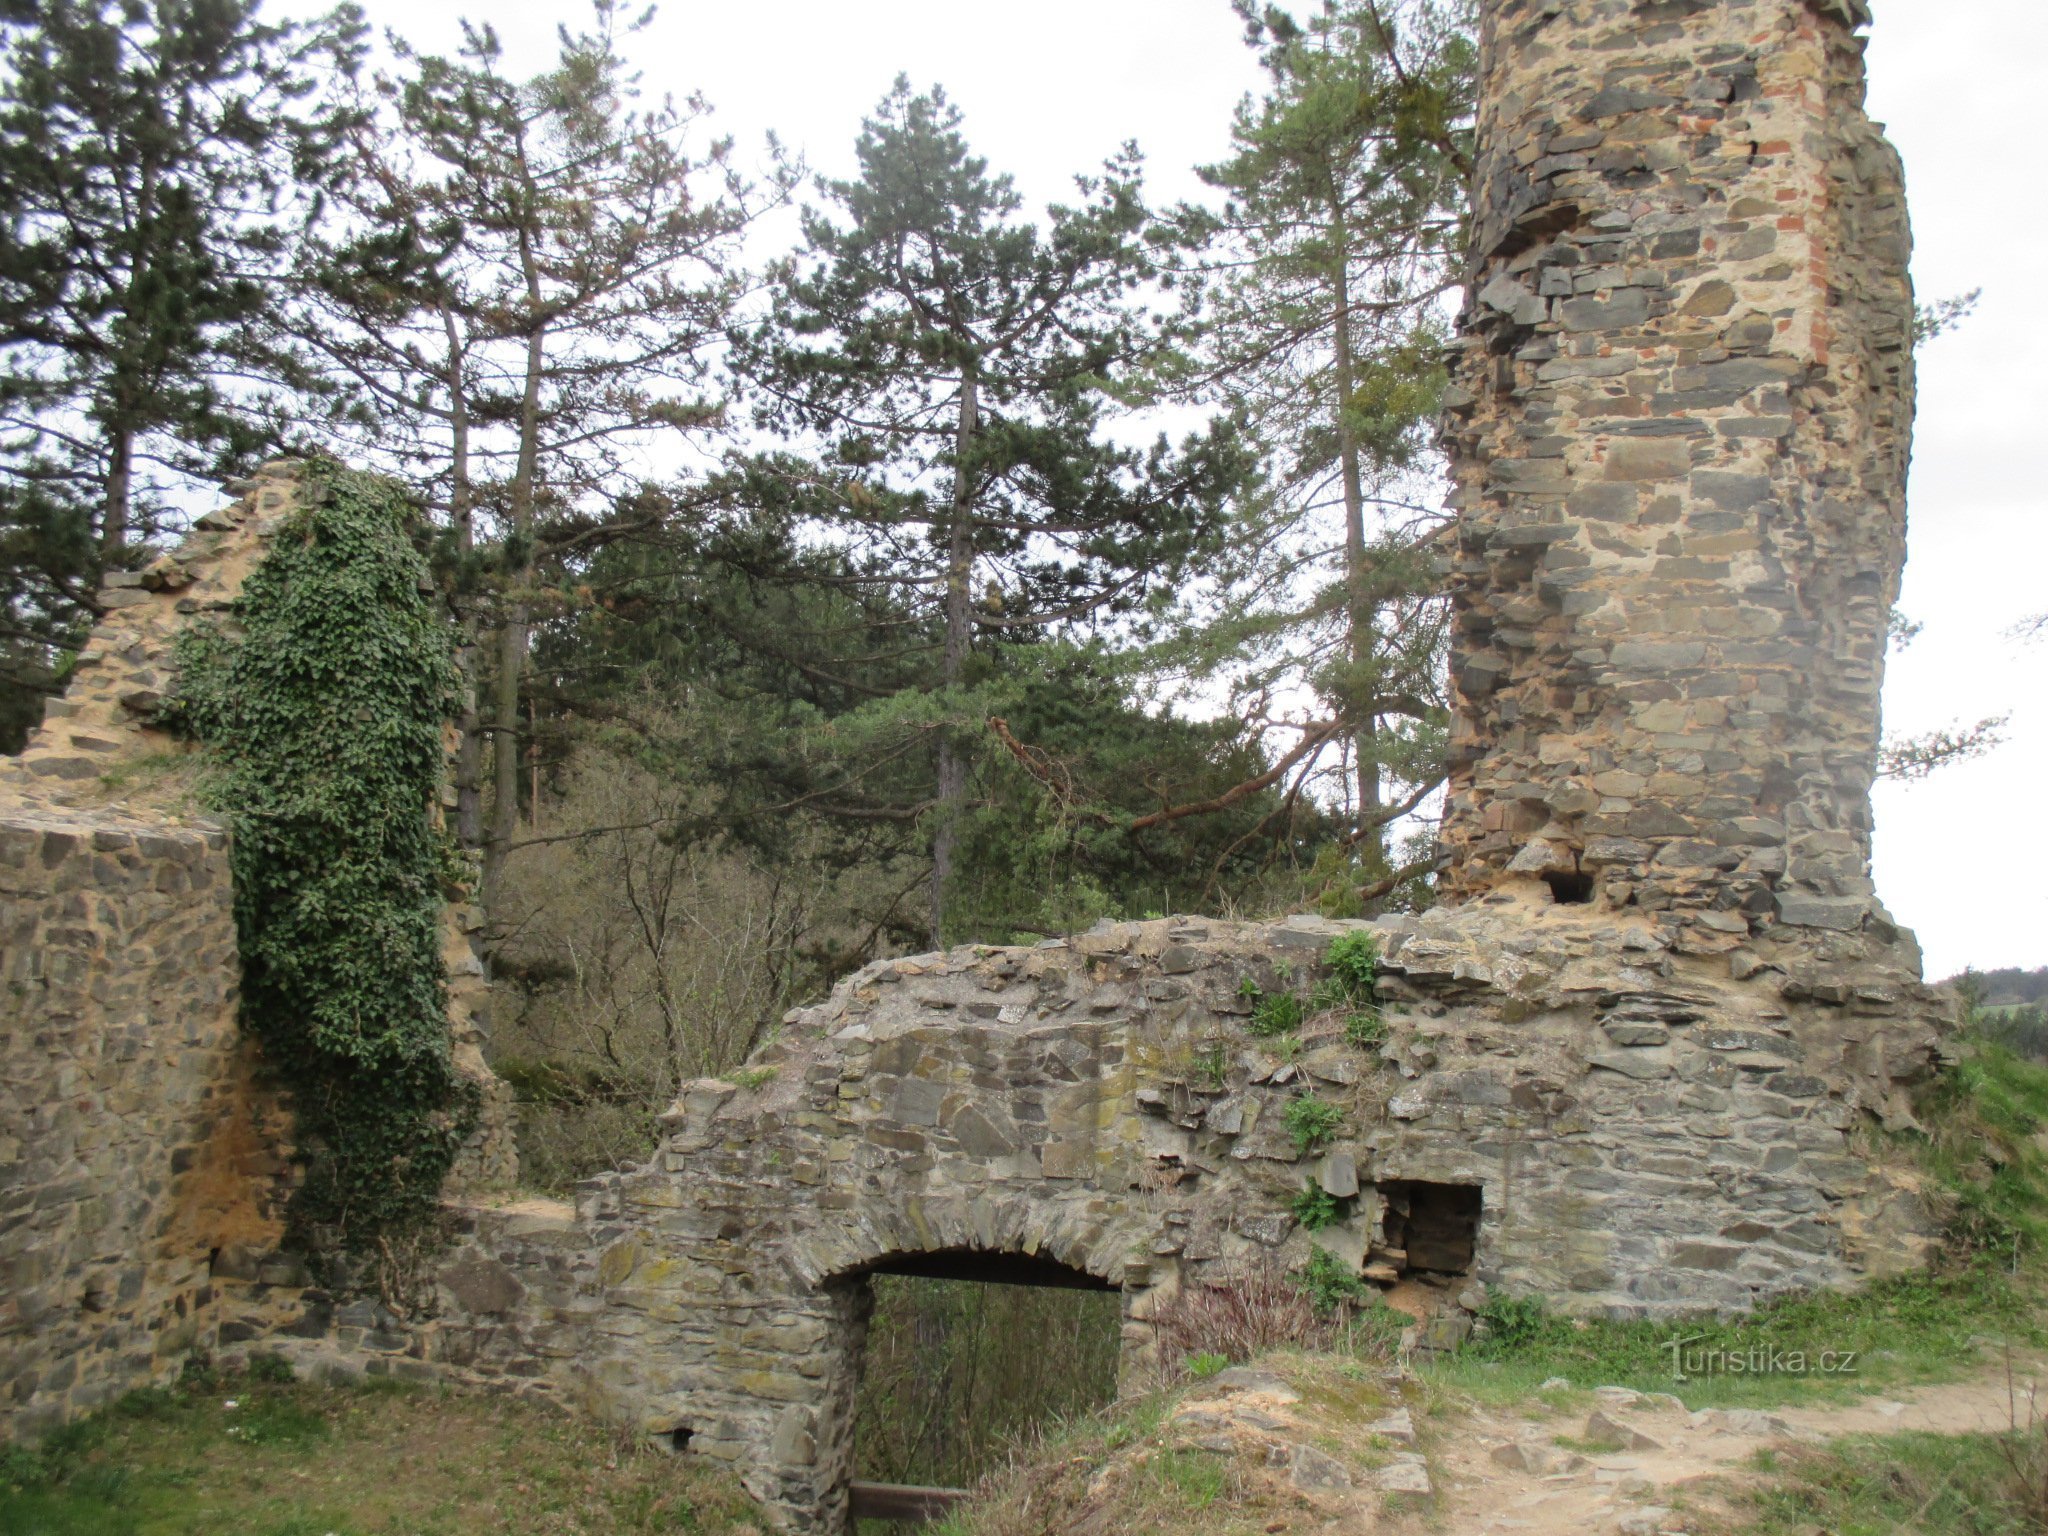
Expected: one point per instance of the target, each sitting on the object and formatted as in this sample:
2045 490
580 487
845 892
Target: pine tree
1319 307
158 161
956 365
533 273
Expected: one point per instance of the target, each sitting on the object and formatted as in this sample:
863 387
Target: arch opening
964 1351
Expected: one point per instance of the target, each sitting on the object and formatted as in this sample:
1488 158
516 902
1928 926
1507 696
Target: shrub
1203 1366
272 1368
1329 1284
1513 1323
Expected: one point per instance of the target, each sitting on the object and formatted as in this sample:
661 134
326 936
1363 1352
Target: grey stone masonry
1679 432
139 1138
1627 1129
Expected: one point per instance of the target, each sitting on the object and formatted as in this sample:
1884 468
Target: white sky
1052 87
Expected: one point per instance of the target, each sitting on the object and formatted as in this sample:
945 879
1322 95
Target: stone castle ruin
1623 1066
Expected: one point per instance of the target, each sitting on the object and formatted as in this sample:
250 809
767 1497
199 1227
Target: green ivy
322 710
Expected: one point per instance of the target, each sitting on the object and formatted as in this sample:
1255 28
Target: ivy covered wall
321 701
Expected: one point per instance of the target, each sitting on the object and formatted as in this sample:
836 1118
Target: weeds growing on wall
322 709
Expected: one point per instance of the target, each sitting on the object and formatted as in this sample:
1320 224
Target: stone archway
1110 1105
842 1460
734 1295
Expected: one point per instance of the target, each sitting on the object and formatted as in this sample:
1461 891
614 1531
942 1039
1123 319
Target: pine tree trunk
511 660
469 746
512 634
952 785
1360 615
114 509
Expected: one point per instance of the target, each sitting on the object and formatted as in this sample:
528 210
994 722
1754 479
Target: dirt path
1504 1473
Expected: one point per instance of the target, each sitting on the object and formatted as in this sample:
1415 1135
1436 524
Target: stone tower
1679 433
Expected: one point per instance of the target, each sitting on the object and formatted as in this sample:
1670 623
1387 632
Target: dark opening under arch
983 1267
965 1349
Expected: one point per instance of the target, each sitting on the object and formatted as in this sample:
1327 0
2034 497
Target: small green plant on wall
1273 1013
1365 1029
1353 960
1278 1013
1315 1207
1312 1123
1330 1283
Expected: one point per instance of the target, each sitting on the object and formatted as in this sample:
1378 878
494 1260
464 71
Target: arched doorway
961 1353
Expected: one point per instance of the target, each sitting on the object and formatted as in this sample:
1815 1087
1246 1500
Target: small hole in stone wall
1433 1227
1573 890
679 1439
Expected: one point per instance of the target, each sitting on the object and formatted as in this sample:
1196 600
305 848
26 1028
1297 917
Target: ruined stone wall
1640 1131
136 1138
1679 435
144 1161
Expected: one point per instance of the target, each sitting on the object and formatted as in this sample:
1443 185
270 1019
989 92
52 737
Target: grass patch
1916 1328
1985 1117
1899 1485
273 1458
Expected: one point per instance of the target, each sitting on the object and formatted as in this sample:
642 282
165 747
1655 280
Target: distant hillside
2008 987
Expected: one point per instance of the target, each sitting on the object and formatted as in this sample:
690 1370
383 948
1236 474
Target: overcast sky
1052 87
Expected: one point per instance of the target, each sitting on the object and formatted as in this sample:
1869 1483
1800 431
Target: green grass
1987 1114
1365 1029
1899 1485
1914 1329
269 1458
1190 1480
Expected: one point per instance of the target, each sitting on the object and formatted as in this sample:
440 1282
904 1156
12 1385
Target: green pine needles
322 711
